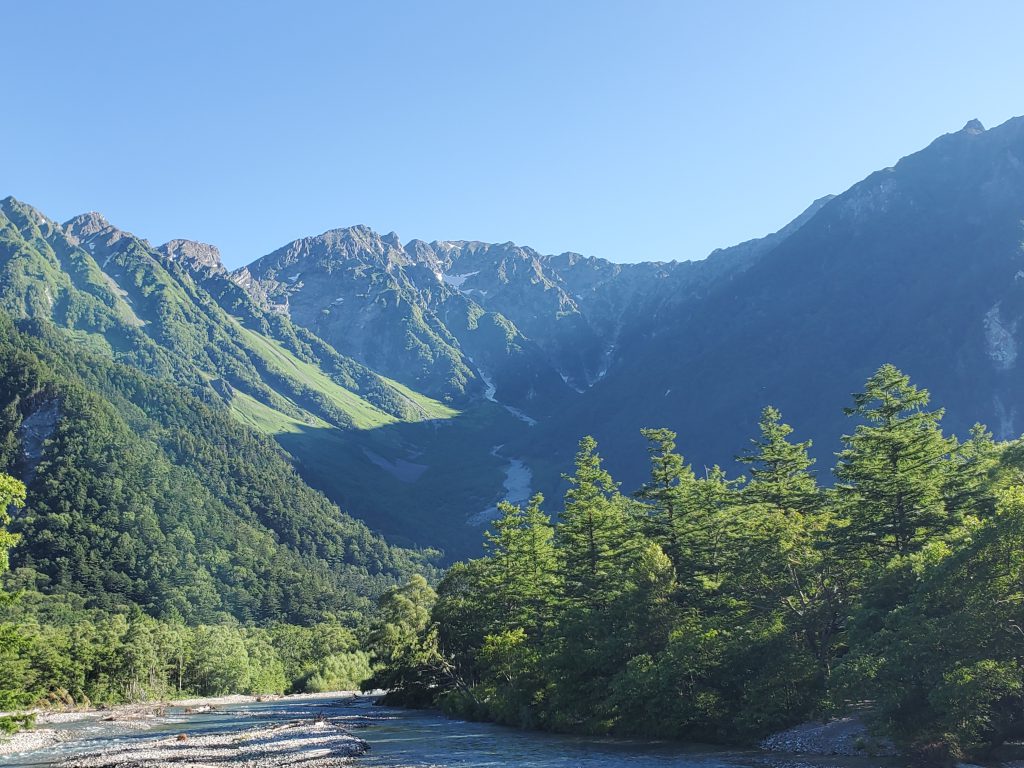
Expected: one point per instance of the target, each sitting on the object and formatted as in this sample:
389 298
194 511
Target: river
410 738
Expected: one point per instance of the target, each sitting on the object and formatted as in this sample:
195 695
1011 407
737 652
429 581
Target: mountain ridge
454 369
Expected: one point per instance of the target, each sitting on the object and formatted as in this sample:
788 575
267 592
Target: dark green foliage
891 474
141 493
721 609
403 643
153 313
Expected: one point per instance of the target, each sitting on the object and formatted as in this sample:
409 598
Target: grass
432 409
10 724
364 415
268 420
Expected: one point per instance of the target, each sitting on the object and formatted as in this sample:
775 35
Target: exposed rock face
1000 340
91 228
362 293
36 428
195 256
460 318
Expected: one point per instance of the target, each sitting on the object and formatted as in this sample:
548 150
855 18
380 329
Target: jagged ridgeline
418 384
125 392
371 444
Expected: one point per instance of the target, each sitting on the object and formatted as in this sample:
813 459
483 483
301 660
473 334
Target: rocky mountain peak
193 254
92 230
86 225
973 127
12 207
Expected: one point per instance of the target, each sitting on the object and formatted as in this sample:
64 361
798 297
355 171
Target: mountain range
415 384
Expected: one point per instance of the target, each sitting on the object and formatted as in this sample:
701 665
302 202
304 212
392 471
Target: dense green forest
139 492
56 650
156 546
153 541
723 608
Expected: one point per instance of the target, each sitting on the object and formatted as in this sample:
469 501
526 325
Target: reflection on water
403 738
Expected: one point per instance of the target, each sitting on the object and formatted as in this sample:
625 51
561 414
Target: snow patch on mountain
1006 418
456 281
489 394
489 388
573 387
1000 341
529 420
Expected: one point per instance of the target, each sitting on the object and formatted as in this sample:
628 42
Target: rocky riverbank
317 743
846 736
57 727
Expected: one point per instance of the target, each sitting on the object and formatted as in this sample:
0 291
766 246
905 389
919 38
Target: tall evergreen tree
523 566
592 536
892 471
669 494
969 488
779 470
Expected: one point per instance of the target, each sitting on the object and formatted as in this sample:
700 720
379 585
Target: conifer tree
968 488
892 471
592 534
523 566
669 493
779 469
784 518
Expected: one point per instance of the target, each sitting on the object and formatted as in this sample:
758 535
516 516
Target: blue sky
628 130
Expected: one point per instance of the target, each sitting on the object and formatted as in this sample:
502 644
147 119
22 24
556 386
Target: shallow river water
408 738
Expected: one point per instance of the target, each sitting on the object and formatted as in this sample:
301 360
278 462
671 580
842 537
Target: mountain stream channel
348 729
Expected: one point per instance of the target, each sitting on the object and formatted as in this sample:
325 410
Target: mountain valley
415 384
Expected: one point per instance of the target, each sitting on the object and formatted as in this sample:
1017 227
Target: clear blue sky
629 130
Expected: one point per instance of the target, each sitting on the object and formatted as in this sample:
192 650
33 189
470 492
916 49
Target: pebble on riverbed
311 744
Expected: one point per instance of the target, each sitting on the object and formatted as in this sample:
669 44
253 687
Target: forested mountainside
173 313
192 442
919 264
139 492
124 410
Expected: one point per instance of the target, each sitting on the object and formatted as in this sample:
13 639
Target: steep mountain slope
327 343
919 265
165 312
534 331
916 265
120 398
373 445
465 319
397 311
138 492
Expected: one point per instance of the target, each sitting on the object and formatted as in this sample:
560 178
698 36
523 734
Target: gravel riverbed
317 743
56 728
